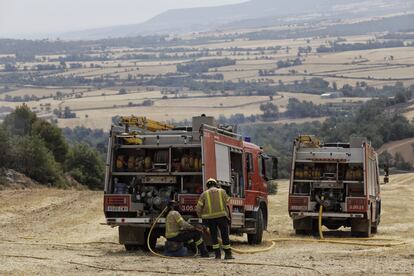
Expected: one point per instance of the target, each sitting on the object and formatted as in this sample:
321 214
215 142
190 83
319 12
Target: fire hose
346 241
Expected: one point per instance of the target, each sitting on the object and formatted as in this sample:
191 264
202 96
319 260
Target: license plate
117 208
188 208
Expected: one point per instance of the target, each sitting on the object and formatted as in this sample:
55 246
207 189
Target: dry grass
403 147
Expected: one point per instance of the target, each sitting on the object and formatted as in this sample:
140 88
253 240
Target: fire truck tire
305 226
315 228
131 247
258 236
153 241
361 228
301 232
374 228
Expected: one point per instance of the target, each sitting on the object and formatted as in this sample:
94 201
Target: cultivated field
96 104
48 232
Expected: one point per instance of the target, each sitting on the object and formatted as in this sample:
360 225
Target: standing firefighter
212 208
178 230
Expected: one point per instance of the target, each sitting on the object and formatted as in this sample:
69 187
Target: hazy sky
29 17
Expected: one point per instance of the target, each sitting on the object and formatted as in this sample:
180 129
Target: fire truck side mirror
271 170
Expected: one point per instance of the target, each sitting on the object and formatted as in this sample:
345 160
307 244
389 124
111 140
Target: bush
34 160
20 121
5 153
53 138
272 187
85 165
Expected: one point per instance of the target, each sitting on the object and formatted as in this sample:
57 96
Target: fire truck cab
146 169
343 178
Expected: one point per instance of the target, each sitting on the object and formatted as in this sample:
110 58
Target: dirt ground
49 232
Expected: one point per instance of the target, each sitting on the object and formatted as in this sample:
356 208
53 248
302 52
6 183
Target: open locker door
217 149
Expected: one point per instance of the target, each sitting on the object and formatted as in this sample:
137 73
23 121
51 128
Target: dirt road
48 231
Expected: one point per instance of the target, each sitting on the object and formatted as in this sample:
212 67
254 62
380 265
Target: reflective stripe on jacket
212 204
174 224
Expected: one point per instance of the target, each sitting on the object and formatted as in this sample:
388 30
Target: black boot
192 247
228 255
218 253
203 251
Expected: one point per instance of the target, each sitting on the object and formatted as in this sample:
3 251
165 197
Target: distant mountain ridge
210 18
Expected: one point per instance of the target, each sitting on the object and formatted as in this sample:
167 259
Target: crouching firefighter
178 230
212 208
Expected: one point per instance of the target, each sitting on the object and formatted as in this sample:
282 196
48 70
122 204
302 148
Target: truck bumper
142 221
298 215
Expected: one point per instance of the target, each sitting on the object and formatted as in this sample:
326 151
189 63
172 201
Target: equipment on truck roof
143 123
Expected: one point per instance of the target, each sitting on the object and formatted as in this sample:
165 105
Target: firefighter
212 208
178 230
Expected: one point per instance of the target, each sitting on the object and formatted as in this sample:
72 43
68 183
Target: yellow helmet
211 182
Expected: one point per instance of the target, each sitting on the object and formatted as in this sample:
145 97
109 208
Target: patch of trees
39 150
25 98
363 90
270 111
203 66
304 50
216 76
341 47
95 138
305 109
398 35
288 63
298 109
42 67
66 113
240 88
26 50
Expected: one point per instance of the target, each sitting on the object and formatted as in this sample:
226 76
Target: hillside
253 13
50 231
403 147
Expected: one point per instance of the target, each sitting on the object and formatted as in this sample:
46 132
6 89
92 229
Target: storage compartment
154 176
329 171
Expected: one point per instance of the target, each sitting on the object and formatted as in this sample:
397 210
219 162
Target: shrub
85 165
272 187
34 160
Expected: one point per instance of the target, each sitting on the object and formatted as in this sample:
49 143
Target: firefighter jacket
213 204
174 224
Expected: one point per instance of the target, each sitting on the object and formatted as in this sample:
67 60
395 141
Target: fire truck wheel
374 229
131 247
302 232
361 228
257 237
153 241
315 228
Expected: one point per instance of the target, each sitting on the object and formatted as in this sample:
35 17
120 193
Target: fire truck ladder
143 123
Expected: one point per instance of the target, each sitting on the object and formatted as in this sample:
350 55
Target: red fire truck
149 163
343 178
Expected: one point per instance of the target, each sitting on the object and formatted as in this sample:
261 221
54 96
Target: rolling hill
253 13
